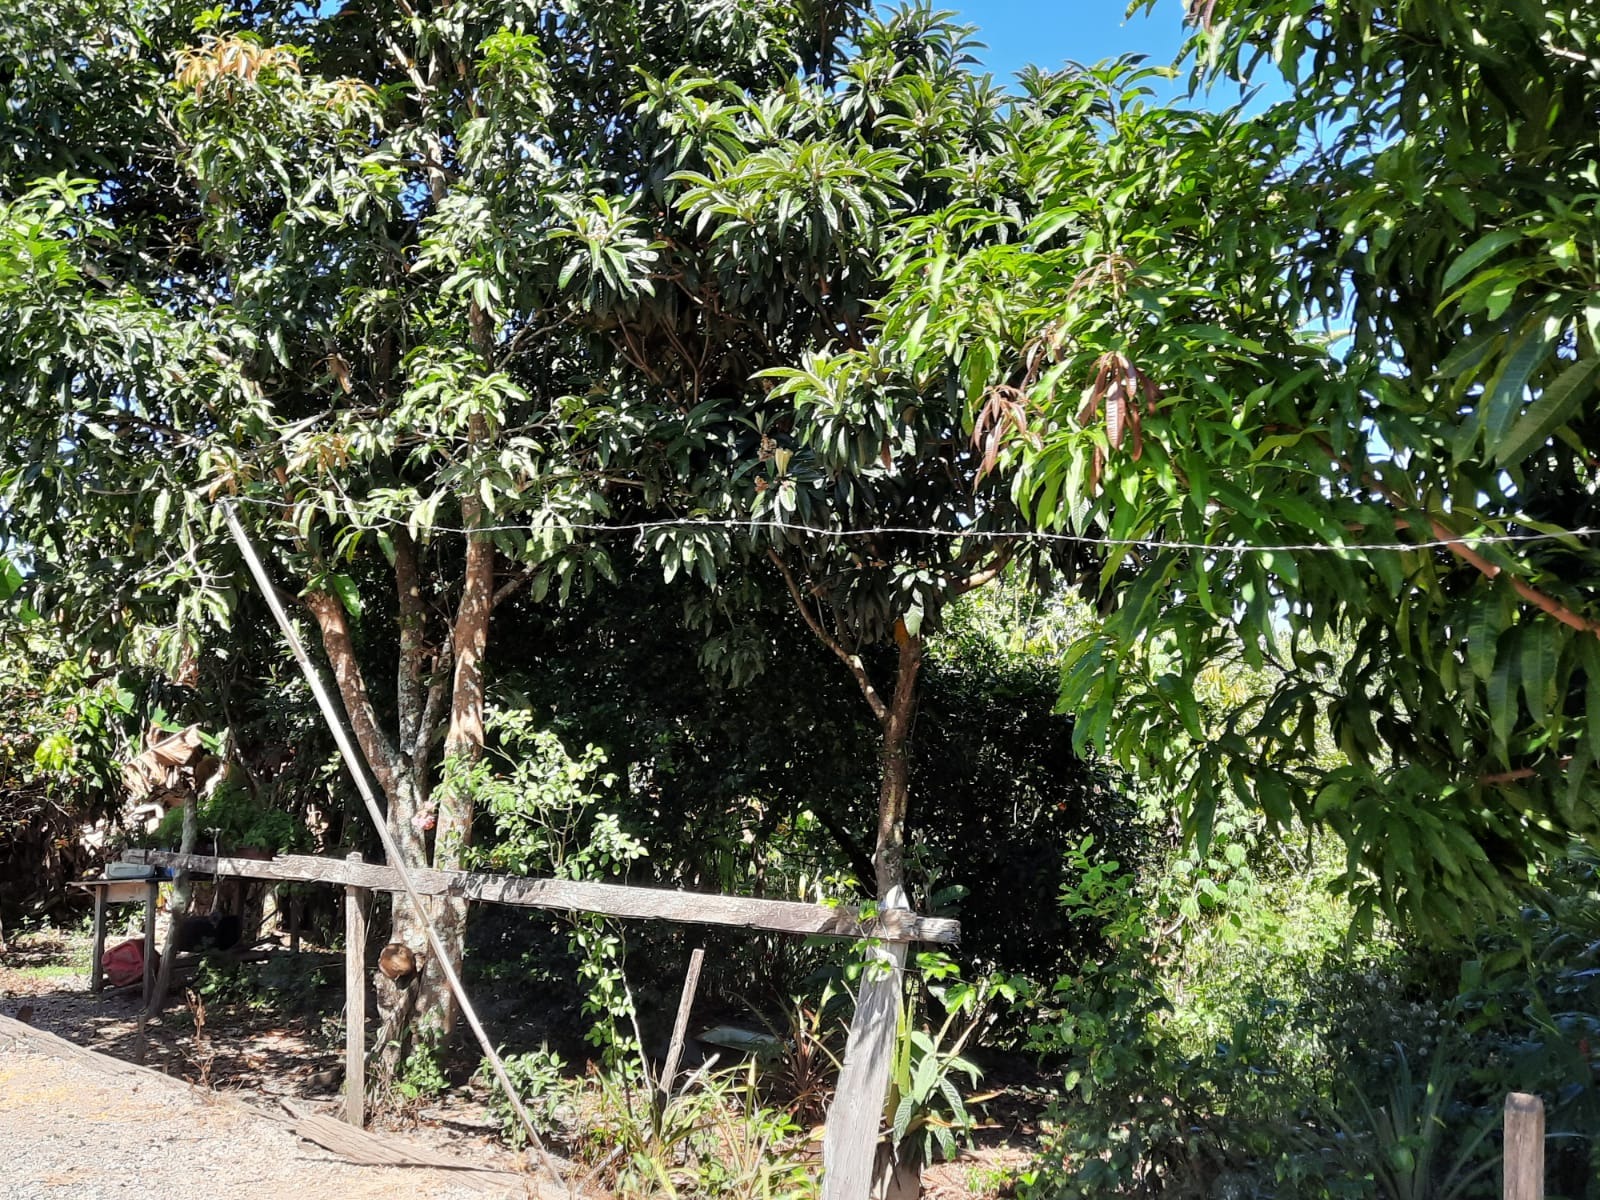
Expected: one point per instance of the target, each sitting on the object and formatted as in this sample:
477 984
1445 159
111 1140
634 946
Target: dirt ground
71 1128
241 1057
262 1054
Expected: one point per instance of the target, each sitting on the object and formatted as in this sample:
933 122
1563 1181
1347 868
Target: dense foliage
61 732
1156 350
426 297
1262 1054
680 425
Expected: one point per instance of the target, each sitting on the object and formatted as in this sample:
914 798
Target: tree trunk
894 719
182 890
402 781
463 745
894 760
416 711
394 777
397 1005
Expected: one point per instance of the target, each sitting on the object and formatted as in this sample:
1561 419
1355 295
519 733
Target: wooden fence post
850 1145
355 1002
140 1044
680 1027
1524 1157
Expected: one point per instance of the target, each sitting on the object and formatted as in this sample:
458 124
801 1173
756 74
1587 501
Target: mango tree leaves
1281 498
1256 497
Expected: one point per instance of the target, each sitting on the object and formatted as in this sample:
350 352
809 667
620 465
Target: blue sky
1048 32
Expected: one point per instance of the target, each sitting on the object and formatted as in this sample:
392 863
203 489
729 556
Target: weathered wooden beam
680 1027
607 899
356 1146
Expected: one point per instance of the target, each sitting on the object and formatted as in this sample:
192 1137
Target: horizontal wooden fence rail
607 899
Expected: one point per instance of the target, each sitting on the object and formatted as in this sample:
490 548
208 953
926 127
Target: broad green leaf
1506 390
1480 252
1557 404
1483 630
349 594
1539 653
1502 696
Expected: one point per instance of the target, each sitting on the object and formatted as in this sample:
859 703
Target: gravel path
72 1128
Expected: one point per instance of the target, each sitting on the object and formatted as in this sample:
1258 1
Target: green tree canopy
1393 524
434 299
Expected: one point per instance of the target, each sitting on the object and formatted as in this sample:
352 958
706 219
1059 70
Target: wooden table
121 891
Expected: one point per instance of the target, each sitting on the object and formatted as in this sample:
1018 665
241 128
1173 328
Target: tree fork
403 800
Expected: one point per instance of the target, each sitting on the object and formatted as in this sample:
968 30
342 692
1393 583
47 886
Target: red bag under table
124 962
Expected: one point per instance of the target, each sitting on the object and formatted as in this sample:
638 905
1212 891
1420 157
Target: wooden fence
849 1148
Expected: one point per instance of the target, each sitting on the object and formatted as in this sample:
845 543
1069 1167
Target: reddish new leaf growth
1118 386
1200 12
1116 414
1004 415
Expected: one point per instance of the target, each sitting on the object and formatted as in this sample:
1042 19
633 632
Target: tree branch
1520 773
988 574
433 709
1458 546
337 644
853 661
413 625
514 585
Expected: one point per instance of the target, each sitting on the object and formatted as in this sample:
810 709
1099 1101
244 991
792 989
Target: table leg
150 939
97 971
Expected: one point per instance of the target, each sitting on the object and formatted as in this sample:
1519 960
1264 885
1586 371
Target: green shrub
1258 1049
232 817
1192 1065
422 1073
715 1140
539 1077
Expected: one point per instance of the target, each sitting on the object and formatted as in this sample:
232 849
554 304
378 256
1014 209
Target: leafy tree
428 298
1259 496
758 786
62 725
366 310
869 497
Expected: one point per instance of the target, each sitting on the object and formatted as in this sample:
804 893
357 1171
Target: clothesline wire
751 525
